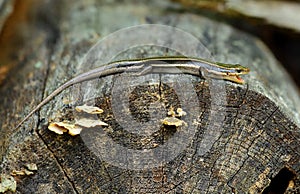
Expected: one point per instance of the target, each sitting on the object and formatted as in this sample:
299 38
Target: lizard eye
238 70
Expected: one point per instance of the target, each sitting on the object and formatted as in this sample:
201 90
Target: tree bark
243 134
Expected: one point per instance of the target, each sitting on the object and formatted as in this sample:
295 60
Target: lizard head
232 72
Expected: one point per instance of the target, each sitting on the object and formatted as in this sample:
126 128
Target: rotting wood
257 139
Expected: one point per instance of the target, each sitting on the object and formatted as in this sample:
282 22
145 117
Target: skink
172 65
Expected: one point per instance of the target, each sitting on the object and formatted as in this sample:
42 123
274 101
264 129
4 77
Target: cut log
233 138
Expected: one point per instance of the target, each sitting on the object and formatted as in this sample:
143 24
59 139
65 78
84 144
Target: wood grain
257 137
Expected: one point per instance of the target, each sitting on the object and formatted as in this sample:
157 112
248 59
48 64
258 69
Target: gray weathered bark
244 134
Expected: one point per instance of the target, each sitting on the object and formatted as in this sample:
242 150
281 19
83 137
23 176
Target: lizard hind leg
144 70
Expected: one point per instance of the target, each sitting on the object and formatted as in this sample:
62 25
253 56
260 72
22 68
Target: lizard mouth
235 78
239 79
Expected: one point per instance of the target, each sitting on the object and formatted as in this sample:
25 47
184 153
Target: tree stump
237 138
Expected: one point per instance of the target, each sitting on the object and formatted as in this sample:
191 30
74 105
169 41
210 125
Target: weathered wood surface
257 138
282 14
